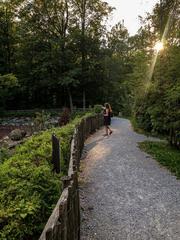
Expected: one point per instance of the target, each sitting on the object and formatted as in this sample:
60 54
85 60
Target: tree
7 38
45 40
156 101
7 82
89 17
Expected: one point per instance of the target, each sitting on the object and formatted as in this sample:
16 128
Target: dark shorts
107 121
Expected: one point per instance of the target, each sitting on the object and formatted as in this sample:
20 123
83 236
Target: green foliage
58 60
98 108
157 110
29 189
165 154
52 54
7 36
41 121
80 114
4 154
65 117
155 79
7 82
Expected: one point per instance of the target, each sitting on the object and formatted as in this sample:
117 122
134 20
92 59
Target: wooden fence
64 222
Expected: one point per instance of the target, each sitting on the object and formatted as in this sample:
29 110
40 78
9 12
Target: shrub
4 154
97 108
29 190
40 120
65 117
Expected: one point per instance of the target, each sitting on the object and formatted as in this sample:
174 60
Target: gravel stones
132 196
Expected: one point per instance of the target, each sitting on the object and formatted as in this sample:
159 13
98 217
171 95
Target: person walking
107 119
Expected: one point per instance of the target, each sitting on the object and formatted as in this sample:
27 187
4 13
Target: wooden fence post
57 231
55 154
66 181
49 234
64 223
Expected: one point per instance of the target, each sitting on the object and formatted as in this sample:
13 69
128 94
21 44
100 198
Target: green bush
97 108
4 154
29 190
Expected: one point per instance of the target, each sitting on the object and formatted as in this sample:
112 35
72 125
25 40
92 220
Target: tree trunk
84 100
70 100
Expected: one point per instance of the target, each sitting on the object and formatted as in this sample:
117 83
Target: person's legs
106 130
110 131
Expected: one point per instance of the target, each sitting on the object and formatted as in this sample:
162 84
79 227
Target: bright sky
129 10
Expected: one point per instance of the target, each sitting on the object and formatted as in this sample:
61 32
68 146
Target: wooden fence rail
64 222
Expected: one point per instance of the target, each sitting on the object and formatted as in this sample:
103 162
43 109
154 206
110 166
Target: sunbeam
159 46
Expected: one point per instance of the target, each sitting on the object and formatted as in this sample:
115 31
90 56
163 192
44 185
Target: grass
165 154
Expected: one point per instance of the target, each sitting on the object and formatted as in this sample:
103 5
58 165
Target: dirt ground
5 130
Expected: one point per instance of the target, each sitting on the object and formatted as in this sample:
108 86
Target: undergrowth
165 154
29 189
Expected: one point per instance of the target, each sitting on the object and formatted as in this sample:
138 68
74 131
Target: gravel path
125 194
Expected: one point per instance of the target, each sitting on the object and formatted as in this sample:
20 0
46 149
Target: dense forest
61 53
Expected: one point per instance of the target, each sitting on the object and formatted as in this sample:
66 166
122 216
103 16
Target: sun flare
158 46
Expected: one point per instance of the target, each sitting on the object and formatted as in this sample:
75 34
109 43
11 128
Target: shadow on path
93 144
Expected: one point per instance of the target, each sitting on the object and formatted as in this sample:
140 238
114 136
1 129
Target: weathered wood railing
64 223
